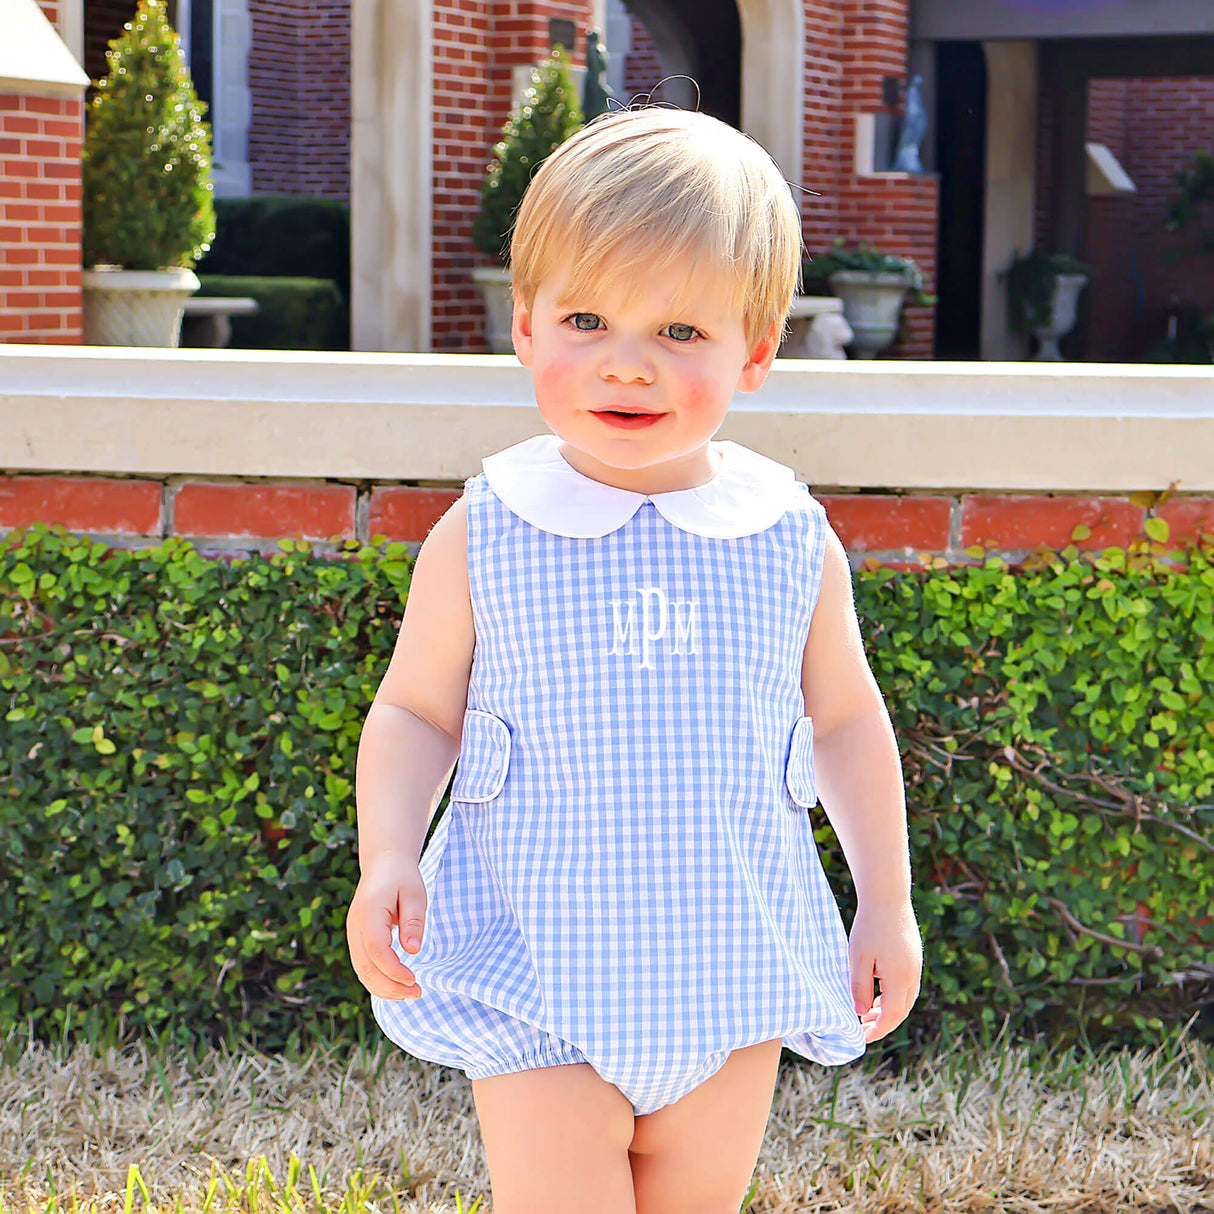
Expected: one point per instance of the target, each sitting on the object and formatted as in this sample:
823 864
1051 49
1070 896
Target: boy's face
634 386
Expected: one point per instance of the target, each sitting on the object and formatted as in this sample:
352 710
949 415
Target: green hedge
281 236
292 313
177 759
1057 731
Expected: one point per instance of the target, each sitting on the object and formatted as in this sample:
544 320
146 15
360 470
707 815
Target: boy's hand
390 894
884 944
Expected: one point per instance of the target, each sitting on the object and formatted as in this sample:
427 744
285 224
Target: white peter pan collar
748 494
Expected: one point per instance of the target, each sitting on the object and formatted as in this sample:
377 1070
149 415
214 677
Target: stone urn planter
872 304
494 283
873 286
147 211
135 307
1042 298
547 114
1063 306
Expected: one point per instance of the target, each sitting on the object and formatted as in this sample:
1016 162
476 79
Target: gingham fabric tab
640 888
799 774
484 758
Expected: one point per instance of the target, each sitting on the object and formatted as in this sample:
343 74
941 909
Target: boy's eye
681 332
586 321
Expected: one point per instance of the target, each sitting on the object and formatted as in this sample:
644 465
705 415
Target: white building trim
773 79
998 426
1011 168
233 37
391 225
33 56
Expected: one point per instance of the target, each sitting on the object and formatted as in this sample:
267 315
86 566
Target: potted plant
546 116
1042 296
873 287
148 210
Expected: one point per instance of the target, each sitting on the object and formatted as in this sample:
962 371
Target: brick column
41 131
477 44
299 82
467 117
823 160
40 139
850 46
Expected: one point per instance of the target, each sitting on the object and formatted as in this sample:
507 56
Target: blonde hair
645 187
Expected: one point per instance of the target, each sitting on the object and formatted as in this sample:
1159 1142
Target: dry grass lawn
1006 1131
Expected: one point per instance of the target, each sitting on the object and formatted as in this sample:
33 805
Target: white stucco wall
1002 426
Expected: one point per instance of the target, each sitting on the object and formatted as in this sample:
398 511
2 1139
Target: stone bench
817 328
205 322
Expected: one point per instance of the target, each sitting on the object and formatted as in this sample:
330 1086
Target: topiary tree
147 193
548 115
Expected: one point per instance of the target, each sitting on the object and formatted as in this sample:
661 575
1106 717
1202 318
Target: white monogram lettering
684 626
623 639
658 613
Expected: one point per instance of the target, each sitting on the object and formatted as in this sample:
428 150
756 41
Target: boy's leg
556 1140
696 1156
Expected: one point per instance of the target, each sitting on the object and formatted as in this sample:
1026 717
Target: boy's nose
626 363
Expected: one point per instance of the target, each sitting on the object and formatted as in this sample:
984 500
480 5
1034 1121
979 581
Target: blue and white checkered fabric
627 872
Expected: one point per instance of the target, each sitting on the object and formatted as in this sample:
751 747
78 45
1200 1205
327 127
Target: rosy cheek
554 380
700 393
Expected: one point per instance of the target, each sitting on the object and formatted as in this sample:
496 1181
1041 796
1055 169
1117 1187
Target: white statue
914 124
827 336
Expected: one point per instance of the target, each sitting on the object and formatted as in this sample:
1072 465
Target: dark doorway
961 163
202 42
703 40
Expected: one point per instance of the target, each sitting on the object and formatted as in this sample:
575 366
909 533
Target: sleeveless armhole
475 488
815 547
799 778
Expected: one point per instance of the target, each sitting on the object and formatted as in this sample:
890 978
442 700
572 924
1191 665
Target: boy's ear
520 331
759 363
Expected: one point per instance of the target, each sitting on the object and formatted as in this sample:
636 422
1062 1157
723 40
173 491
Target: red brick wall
468 112
40 141
299 78
1140 271
903 529
823 164
642 65
850 46
1047 137
1108 228
476 45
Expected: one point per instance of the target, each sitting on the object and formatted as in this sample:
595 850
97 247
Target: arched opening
746 56
668 39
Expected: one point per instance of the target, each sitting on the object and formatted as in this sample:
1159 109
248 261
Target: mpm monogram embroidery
659 617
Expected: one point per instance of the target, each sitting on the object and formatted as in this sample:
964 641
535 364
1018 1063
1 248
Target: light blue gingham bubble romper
626 874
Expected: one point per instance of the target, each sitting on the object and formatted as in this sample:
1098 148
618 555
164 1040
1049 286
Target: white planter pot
135 307
1067 288
872 303
494 282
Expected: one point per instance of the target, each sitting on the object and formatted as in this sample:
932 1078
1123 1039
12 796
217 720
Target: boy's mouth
627 419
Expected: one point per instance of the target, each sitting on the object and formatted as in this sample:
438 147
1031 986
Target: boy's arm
409 743
859 777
